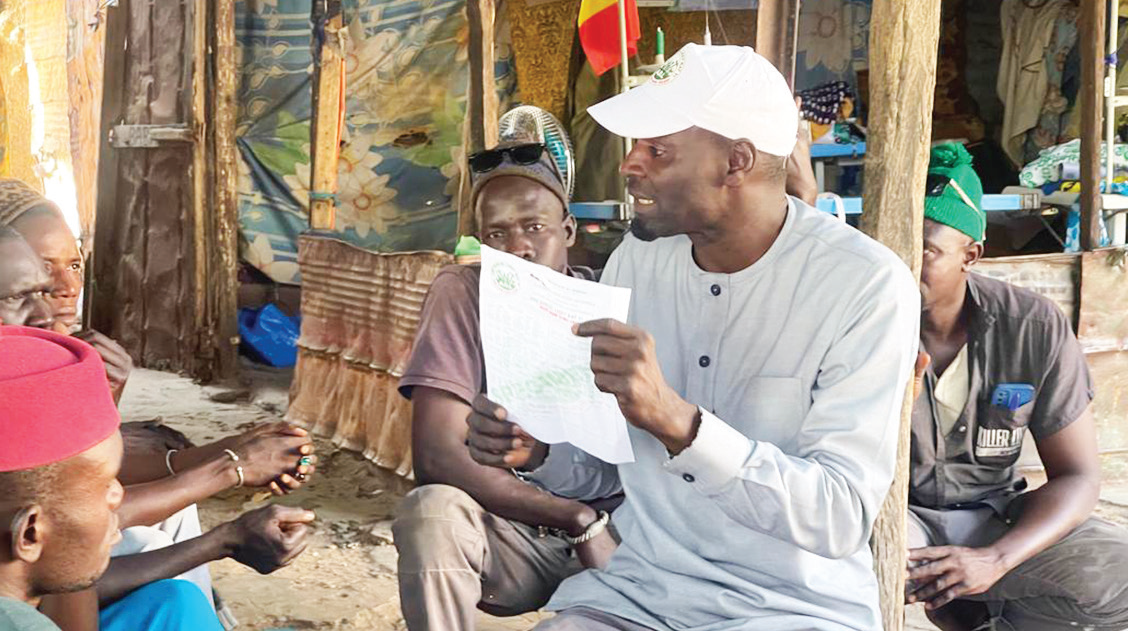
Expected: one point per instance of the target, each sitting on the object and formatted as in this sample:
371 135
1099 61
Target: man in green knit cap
986 553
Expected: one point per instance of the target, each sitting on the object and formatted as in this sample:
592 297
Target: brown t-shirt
1027 372
448 345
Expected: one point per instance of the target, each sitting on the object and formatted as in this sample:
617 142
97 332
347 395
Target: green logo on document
505 277
669 70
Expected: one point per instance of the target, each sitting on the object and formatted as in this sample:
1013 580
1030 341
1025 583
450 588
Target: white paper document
536 368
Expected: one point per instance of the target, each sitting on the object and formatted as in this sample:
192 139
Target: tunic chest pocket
999 434
769 409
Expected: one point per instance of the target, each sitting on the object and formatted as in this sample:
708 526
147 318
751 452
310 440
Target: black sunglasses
935 184
484 161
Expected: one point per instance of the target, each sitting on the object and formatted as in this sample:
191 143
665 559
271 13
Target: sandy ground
346 580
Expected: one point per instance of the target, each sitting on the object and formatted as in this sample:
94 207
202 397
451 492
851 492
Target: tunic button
716 289
703 361
688 478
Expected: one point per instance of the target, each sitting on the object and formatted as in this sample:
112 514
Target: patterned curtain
833 40
407 72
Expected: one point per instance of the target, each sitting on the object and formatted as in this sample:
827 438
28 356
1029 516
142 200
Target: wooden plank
481 101
777 27
480 131
1090 103
1103 322
102 311
326 130
223 271
1102 329
903 42
1055 276
132 221
167 203
1109 370
147 270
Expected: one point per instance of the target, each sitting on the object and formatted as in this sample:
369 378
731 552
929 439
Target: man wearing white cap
762 372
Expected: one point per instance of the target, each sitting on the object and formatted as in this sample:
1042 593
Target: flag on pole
599 32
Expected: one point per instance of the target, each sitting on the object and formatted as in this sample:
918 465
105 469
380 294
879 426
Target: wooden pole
326 133
481 100
777 28
1092 71
201 230
904 37
223 270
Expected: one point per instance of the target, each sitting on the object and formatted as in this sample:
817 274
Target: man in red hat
58 471
269 455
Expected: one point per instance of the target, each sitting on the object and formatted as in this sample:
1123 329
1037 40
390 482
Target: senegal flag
599 32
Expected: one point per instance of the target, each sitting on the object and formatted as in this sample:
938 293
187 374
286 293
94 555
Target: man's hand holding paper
539 373
625 364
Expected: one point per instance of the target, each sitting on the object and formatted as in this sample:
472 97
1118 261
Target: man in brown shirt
473 536
984 554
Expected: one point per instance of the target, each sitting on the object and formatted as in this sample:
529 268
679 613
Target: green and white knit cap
959 202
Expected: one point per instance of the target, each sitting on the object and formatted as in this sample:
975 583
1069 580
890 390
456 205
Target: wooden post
223 267
903 43
327 116
1092 72
480 131
201 202
777 27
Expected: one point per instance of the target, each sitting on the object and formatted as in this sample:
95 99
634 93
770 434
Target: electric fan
528 123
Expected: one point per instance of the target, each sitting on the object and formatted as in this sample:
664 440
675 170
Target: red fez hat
55 401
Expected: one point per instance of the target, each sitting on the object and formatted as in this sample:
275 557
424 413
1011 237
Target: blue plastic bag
269 336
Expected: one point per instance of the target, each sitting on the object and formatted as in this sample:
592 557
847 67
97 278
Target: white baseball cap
728 90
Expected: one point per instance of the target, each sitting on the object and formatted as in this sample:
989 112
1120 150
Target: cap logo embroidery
669 70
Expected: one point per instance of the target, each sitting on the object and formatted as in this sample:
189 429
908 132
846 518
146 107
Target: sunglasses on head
936 183
490 159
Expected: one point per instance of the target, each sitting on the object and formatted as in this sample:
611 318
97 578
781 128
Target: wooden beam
480 131
777 27
904 37
327 116
1091 102
108 215
223 264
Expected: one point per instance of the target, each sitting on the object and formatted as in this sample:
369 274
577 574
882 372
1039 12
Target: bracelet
238 468
168 460
592 531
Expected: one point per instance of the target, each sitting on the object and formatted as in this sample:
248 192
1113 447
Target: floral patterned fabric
407 73
833 38
1054 121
